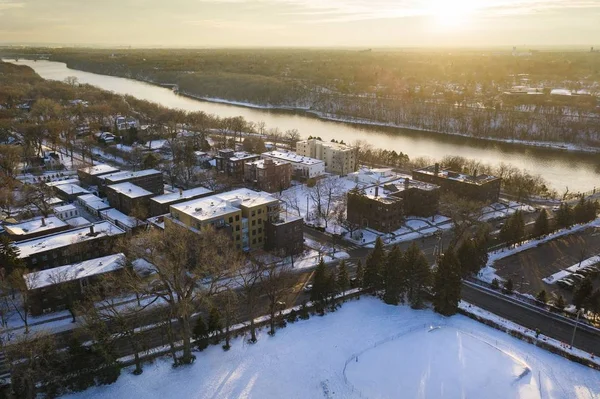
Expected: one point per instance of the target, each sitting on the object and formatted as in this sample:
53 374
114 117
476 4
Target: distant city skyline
307 23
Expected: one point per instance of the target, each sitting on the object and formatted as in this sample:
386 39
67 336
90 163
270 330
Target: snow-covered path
398 357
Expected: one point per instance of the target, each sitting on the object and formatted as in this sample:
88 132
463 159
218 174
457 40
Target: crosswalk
352 246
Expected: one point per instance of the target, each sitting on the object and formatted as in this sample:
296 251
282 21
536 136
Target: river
577 171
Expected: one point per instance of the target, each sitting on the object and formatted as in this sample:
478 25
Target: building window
259 211
259 230
237 228
259 239
253 213
237 237
254 223
254 232
259 221
231 219
254 241
237 218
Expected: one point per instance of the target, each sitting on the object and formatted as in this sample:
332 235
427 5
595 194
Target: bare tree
190 267
248 280
463 212
21 281
38 195
228 304
276 280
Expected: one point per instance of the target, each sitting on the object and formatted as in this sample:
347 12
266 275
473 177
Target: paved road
549 326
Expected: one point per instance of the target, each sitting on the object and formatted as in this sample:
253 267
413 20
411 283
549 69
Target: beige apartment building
243 214
340 159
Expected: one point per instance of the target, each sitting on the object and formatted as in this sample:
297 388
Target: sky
305 23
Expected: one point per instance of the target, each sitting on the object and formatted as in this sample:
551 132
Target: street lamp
575 328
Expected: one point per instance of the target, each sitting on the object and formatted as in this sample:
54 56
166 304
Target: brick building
233 163
148 179
419 198
68 246
90 176
285 234
371 210
483 188
302 167
36 227
268 174
127 197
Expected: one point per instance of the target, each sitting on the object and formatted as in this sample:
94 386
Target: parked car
565 283
308 288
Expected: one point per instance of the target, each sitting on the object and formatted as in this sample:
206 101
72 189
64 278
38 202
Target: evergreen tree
495 284
583 293
564 216
542 225
560 302
373 279
509 286
200 334
542 296
393 285
319 291
447 284
579 211
360 274
215 325
418 275
518 226
343 280
9 256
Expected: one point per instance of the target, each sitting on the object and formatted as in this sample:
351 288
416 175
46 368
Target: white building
303 166
340 159
66 212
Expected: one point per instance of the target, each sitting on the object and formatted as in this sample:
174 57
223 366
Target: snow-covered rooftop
99 169
78 222
260 163
292 157
125 175
65 208
76 271
92 201
224 203
33 226
450 175
241 155
61 182
191 193
130 190
119 217
66 238
406 182
71 189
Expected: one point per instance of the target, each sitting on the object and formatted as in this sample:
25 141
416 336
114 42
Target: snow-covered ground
367 349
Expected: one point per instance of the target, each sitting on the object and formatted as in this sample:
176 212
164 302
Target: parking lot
528 268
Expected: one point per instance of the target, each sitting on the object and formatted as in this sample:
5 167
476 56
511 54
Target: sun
452 14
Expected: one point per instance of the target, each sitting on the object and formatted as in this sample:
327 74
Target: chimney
43 221
436 170
92 229
180 192
406 183
376 191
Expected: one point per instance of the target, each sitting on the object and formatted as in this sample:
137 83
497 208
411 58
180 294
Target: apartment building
370 210
483 188
90 176
159 205
148 179
339 158
268 174
127 197
303 167
233 163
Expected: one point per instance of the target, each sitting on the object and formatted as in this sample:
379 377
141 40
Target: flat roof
93 201
71 188
118 216
61 182
400 185
241 155
35 225
100 169
445 173
185 194
329 144
75 271
127 174
249 198
64 208
78 221
292 157
66 238
260 163
130 190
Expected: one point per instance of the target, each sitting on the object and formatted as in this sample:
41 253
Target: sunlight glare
452 13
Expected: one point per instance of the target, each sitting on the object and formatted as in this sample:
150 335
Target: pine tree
215 325
542 225
447 284
560 303
564 216
360 274
418 277
580 211
343 281
200 334
495 284
320 281
518 227
9 256
542 296
373 279
508 286
393 285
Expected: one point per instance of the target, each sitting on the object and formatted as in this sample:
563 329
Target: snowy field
401 354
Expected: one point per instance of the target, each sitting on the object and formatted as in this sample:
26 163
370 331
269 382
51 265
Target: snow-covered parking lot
371 350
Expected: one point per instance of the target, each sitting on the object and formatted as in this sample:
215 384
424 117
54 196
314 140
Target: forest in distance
483 94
